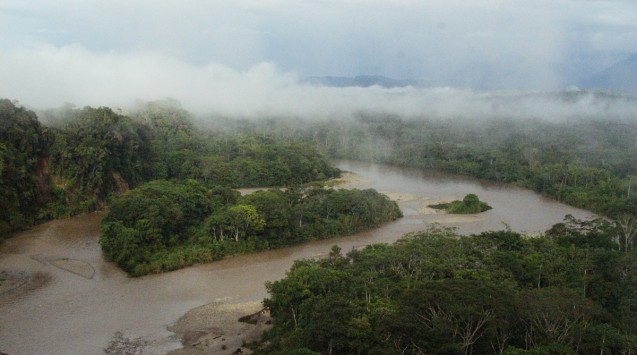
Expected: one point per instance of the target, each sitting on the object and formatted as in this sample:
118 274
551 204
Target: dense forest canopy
98 151
169 179
176 206
582 161
85 156
23 154
433 292
470 204
162 226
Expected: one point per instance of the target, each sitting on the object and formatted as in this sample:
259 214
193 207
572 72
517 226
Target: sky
249 56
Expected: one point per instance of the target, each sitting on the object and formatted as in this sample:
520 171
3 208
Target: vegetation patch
164 225
436 292
86 156
470 204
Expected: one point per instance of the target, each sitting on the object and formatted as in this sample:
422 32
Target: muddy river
66 299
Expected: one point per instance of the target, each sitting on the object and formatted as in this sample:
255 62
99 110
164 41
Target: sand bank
215 328
348 181
426 210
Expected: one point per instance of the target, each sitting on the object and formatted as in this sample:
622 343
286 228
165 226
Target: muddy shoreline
215 328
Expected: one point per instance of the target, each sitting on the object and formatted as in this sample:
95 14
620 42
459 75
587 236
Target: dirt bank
215 328
348 181
400 196
426 210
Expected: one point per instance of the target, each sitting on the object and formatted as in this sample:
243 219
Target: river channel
75 301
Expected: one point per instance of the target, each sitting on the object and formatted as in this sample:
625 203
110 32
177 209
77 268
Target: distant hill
621 76
361 81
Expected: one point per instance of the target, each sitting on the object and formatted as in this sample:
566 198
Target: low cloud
48 76
478 44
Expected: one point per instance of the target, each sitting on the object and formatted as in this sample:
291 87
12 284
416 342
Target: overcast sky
230 52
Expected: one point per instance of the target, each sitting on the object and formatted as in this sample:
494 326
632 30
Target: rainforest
318 177
174 189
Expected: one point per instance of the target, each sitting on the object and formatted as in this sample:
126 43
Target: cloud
47 76
246 57
481 44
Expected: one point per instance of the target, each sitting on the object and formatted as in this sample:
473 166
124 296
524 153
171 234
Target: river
75 301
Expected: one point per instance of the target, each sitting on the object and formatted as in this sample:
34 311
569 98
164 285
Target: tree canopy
88 155
24 176
438 292
470 204
161 225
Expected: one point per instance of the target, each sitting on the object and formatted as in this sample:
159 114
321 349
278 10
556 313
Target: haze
248 58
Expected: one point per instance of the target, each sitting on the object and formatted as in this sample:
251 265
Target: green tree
97 152
24 178
242 221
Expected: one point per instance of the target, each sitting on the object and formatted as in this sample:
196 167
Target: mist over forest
182 133
311 102
256 59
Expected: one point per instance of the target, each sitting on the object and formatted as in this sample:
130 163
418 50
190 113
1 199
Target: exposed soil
400 196
215 328
348 180
426 209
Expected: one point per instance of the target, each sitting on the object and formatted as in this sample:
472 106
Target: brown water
79 312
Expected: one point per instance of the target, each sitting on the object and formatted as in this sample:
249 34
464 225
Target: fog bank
47 76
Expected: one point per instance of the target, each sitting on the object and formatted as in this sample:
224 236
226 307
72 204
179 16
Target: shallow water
72 313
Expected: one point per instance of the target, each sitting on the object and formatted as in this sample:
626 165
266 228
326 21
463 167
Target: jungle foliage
161 225
86 156
96 152
435 292
586 162
24 191
247 159
572 291
470 204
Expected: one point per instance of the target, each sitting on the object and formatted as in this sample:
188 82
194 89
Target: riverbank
71 313
215 328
